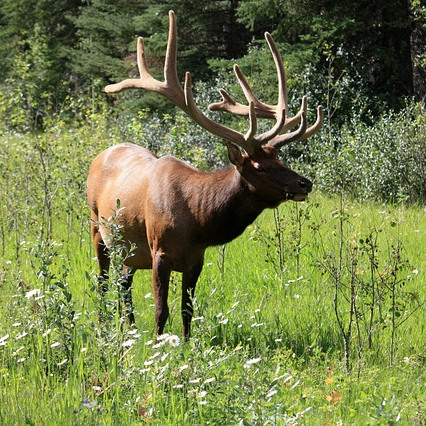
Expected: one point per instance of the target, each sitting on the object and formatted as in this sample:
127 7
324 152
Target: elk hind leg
189 280
127 293
102 254
160 285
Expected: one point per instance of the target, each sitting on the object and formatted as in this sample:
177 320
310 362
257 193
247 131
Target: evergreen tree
33 37
367 42
106 32
205 30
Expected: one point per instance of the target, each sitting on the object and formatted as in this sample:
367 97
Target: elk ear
235 155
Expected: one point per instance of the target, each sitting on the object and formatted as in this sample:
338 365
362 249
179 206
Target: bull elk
173 211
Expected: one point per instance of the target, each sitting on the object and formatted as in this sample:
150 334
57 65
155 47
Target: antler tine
316 126
277 129
286 138
229 104
170 65
144 74
279 64
302 132
141 59
263 110
170 87
296 119
250 135
247 142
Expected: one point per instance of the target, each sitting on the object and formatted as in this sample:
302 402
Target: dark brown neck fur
226 206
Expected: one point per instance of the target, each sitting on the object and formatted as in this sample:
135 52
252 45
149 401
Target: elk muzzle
304 187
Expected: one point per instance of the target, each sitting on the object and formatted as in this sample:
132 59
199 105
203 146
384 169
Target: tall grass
314 316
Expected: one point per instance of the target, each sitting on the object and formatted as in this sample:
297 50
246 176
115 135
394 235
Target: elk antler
184 99
263 110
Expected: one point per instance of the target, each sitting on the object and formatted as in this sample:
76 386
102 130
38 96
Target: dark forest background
372 53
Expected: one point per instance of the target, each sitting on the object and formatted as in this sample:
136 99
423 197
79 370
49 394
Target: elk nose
305 185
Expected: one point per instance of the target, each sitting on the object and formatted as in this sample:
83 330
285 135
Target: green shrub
384 162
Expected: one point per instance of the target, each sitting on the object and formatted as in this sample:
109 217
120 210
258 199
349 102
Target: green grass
266 347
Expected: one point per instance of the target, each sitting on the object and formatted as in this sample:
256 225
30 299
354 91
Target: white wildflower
162 337
252 361
210 380
146 363
3 340
62 362
235 304
16 324
128 343
194 381
271 393
32 293
83 350
21 359
183 367
17 351
177 386
174 340
202 394
55 345
47 332
295 384
21 335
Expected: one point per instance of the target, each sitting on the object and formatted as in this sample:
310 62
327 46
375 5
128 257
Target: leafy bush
384 162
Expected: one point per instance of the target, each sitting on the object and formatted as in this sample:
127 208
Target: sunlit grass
266 347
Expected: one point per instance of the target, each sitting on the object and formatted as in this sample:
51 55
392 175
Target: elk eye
258 167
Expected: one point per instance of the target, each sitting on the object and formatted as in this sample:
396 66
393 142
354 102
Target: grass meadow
315 315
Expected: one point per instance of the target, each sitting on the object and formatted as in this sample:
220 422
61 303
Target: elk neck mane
224 204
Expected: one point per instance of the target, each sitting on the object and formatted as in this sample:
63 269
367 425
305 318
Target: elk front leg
160 286
189 280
